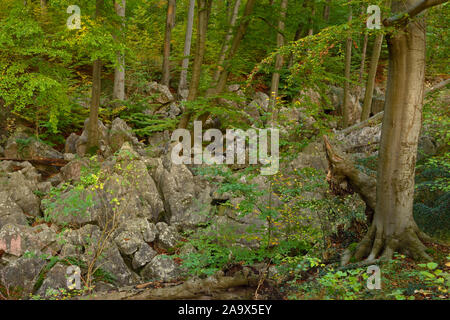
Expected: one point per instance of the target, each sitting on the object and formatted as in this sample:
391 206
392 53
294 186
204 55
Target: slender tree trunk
311 20
234 46
326 11
170 22
202 16
393 228
92 142
348 65
370 86
226 43
119 72
182 86
279 58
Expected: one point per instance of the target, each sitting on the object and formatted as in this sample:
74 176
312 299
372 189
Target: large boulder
144 255
161 93
55 280
187 198
120 133
22 146
10 212
22 274
81 142
162 268
168 236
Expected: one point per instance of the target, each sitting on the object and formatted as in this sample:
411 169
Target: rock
83 237
233 87
81 143
140 226
69 156
10 212
72 170
162 93
44 187
361 140
22 273
112 262
168 236
159 143
427 147
128 242
144 255
187 198
55 279
71 143
261 101
20 186
22 146
161 267
119 134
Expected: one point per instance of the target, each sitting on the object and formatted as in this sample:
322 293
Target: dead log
212 287
345 178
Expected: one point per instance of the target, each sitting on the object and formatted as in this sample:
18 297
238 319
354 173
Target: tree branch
412 12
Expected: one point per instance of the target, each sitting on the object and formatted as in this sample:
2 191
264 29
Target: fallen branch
42 161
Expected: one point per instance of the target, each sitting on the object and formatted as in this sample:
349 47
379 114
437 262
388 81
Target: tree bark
226 43
170 22
279 58
119 72
326 11
393 228
92 142
370 86
348 65
182 86
203 8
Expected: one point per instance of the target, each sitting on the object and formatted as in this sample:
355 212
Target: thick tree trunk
371 77
326 11
92 142
279 59
119 72
348 65
393 228
170 22
226 43
203 8
182 86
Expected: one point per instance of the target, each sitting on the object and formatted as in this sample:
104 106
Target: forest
224 150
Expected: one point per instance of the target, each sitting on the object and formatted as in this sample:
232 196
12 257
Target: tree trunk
363 64
92 142
326 11
170 22
348 65
235 45
367 106
226 43
119 72
203 8
279 59
393 228
182 86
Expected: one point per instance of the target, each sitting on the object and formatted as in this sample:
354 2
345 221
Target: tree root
376 245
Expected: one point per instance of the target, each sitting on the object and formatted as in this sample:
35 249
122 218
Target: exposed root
376 245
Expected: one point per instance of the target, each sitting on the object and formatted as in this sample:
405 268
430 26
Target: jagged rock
140 226
144 255
69 156
162 92
112 262
187 198
128 242
20 186
10 212
361 140
44 187
119 134
81 143
55 279
71 143
128 191
427 147
72 170
159 143
16 239
233 87
22 273
22 146
168 236
161 267
260 101
83 237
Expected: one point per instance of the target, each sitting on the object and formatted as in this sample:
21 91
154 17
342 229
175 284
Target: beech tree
182 85
119 72
393 227
170 22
